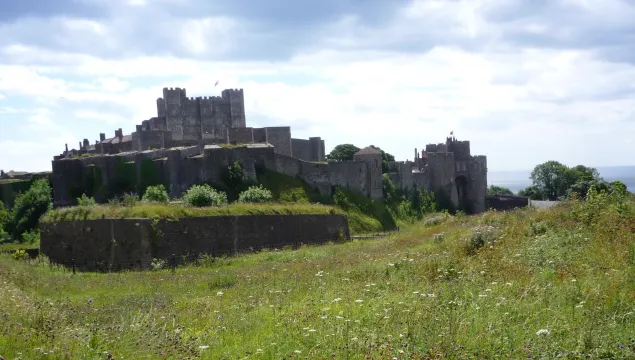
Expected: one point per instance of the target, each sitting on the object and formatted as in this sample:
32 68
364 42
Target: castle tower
171 106
236 100
372 158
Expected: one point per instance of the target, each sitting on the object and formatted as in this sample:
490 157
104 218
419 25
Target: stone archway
461 184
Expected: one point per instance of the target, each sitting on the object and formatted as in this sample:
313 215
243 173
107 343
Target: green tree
4 218
28 208
495 189
617 187
553 178
385 158
389 189
533 192
342 152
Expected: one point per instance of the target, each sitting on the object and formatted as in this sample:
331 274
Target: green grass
150 210
523 284
9 181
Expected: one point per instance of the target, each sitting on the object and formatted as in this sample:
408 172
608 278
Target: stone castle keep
194 140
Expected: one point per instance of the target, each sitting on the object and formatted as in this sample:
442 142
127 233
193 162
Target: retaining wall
116 244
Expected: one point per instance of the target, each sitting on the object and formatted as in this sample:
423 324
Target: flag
452 132
216 83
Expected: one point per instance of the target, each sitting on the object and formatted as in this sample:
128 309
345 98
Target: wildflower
312 330
573 280
338 299
391 264
354 339
297 351
543 332
220 293
90 301
415 292
320 273
359 301
203 347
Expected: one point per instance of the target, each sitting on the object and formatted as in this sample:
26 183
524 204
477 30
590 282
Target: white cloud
399 85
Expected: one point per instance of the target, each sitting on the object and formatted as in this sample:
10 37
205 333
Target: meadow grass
176 210
522 284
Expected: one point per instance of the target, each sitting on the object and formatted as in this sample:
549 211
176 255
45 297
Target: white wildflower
543 332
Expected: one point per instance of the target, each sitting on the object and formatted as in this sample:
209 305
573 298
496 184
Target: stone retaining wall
115 244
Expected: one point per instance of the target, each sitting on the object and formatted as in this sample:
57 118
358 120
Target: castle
193 140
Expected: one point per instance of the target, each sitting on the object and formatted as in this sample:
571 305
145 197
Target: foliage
129 199
360 204
86 201
156 194
342 152
533 192
494 189
553 178
204 195
4 218
255 194
173 211
388 189
20 254
31 237
28 208
563 290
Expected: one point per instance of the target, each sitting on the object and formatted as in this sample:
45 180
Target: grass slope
523 284
149 210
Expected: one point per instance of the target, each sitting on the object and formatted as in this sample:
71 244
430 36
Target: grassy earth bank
530 284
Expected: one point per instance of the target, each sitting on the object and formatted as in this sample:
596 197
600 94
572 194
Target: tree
617 186
28 208
533 192
494 189
385 158
342 152
553 178
389 189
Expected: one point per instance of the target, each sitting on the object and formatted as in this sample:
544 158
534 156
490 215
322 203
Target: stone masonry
192 140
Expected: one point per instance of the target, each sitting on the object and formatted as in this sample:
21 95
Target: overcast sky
524 81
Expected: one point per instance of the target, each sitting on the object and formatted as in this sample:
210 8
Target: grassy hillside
525 284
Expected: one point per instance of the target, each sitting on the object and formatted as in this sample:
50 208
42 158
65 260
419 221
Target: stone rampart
116 244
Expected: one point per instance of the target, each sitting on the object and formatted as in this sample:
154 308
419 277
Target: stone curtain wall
115 244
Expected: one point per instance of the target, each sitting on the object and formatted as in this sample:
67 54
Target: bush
20 255
86 201
439 219
31 237
204 195
130 199
255 194
4 219
28 208
156 194
479 237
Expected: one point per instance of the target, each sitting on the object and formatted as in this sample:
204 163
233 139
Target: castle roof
368 151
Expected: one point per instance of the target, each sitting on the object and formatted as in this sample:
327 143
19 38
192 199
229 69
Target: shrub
158 264
130 199
86 201
479 237
31 237
156 194
20 255
439 219
255 194
204 195
28 208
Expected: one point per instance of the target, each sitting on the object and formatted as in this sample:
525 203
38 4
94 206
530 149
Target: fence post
173 263
73 264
